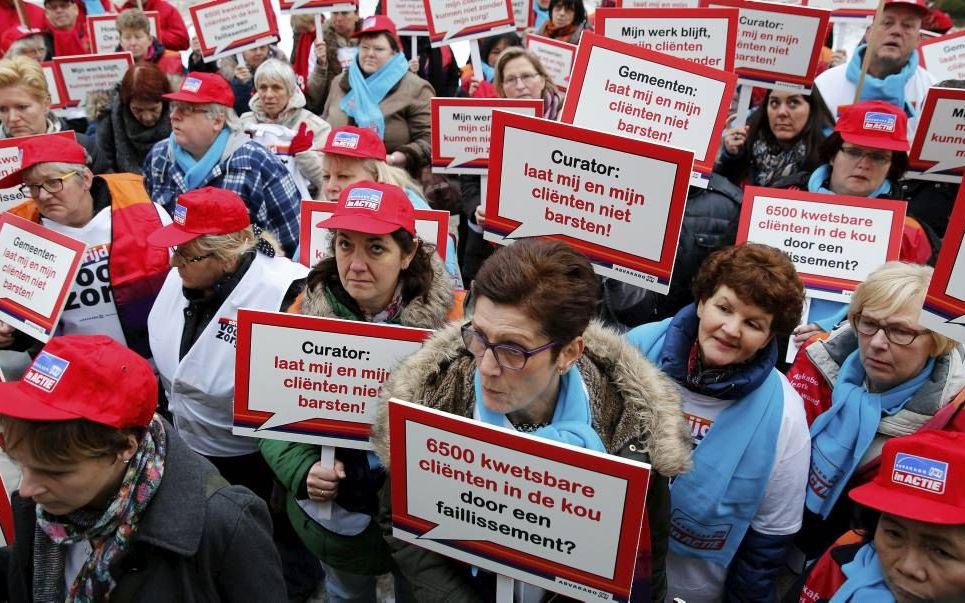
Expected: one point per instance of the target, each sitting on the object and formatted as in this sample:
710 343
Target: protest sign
939 144
227 27
944 56
453 20
409 16
37 267
944 310
848 9
461 128
10 162
85 73
556 56
523 13
6 515
656 3
314 380
103 35
645 95
778 45
703 35
431 225
560 517
58 99
314 7
597 192
835 241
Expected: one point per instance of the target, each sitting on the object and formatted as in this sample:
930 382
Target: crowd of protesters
185 184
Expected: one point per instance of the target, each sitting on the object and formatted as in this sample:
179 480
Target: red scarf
558 33
302 53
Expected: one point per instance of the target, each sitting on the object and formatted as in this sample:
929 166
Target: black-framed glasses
508 355
51 185
896 335
190 259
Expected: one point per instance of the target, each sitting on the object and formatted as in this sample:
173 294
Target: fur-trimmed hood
635 406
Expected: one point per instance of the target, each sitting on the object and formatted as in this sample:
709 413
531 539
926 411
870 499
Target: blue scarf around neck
823 172
196 171
712 506
361 102
865 579
572 419
891 88
841 435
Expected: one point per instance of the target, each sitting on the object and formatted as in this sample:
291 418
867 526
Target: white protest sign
939 143
656 3
522 13
314 380
227 27
556 56
10 163
453 20
409 16
314 7
846 8
944 308
944 57
103 35
83 74
54 85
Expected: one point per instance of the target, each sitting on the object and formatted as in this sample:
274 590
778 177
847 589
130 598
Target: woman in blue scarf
378 91
733 516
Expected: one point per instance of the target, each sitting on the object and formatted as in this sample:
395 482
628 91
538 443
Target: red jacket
74 41
826 576
174 34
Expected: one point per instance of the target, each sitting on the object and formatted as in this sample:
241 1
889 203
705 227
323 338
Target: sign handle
318 27
504 589
18 4
867 55
476 58
743 105
414 54
327 460
140 5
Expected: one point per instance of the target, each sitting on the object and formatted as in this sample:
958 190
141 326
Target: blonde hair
27 73
514 52
893 287
231 246
379 171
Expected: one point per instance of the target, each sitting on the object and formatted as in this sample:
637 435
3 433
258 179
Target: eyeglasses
51 185
526 78
856 155
190 259
896 335
508 355
374 49
188 108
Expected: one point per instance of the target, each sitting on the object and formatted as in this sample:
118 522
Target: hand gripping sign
85 73
553 515
461 129
10 163
706 36
226 27
557 58
409 16
103 35
431 225
835 241
453 20
645 95
939 144
944 310
314 7
944 56
37 270
314 380
598 192
778 45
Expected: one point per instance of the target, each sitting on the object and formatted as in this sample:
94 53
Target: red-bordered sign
557 58
944 309
37 271
103 35
226 27
85 73
10 162
409 16
656 3
707 36
58 96
835 241
645 95
846 8
587 528
944 56
314 380
453 20
461 130
778 45
314 7
431 225
594 191
939 144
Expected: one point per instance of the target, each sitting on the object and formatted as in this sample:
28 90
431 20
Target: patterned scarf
773 163
109 532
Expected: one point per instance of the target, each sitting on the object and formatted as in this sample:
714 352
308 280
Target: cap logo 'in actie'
920 473
346 140
369 22
46 371
880 122
180 214
191 84
364 198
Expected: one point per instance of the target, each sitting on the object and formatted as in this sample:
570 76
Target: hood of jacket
289 116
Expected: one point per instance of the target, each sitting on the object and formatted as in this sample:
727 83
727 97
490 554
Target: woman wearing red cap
377 270
112 504
378 91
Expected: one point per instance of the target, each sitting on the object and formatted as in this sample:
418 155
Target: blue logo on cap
191 84
880 122
180 214
364 198
920 472
346 140
46 371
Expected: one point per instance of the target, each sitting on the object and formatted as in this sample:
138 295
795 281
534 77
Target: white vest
200 387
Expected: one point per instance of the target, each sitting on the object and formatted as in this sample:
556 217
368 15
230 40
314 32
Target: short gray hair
279 71
231 119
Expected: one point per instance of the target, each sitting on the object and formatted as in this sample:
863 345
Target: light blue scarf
572 420
841 435
489 74
891 89
94 7
865 580
196 171
361 103
823 172
713 505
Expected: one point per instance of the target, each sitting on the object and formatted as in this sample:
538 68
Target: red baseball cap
206 210
200 88
372 208
84 377
922 477
15 33
379 23
874 124
351 141
41 149
918 5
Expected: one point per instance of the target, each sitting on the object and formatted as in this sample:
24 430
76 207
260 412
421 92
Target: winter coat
199 539
174 34
636 412
320 81
124 143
